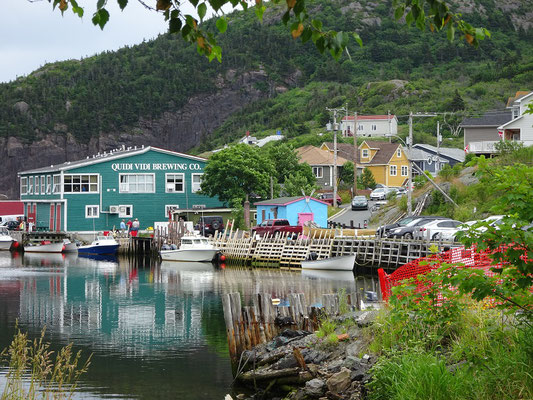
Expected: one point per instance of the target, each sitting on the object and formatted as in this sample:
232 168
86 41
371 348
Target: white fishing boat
102 245
70 247
341 263
5 239
44 246
192 248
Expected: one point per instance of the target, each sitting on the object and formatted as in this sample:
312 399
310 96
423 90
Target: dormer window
516 112
364 153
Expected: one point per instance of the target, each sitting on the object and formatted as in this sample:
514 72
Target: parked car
274 226
359 203
209 225
412 229
384 229
12 225
439 229
400 191
328 198
379 193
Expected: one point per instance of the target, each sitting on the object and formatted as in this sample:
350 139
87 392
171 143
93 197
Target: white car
493 220
440 229
380 193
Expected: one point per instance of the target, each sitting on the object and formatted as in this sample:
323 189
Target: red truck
274 226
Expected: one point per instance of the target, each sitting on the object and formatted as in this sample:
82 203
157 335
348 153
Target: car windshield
379 190
405 221
360 198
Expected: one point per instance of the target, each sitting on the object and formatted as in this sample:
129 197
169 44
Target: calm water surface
155 331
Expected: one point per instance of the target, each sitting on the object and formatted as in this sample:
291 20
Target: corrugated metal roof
489 119
457 154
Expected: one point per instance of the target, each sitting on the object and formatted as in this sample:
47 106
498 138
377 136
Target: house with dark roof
481 133
432 159
387 161
298 210
369 125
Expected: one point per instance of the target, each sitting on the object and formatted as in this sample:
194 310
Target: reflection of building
97 193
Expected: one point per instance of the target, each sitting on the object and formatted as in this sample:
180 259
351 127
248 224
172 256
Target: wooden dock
282 250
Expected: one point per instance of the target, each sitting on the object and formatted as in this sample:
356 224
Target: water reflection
156 332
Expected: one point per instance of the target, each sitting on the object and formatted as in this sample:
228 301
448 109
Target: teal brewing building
95 194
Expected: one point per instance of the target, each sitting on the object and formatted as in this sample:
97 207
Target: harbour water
155 331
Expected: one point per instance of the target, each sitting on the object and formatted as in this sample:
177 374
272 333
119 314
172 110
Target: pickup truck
274 226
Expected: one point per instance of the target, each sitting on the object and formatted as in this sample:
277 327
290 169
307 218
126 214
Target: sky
33 34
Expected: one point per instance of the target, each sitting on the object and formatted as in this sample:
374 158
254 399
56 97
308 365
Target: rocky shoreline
301 365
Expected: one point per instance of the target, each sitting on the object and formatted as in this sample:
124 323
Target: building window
36 185
175 183
92 211
48 184
360 127
137 183
125 211
393 170
43 185
169 208
364 153
318 172
30 185
196 182
404 170
80 184
374 127
399 152
23 185
57 184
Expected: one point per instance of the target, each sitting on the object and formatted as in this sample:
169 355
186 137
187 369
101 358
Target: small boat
193 248
70 247
102 245
44 246
341 263
5 240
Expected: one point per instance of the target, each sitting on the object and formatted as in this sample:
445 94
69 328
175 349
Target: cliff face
178 131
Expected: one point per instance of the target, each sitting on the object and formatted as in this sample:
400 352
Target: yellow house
387 161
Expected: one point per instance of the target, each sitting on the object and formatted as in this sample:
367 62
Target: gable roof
314 156
489 119
518 96
422 155
369 117
107 156
456 154
283 201
385 151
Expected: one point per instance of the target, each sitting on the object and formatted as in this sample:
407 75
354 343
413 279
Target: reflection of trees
214 327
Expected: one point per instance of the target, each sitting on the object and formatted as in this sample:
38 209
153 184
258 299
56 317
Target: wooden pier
282 250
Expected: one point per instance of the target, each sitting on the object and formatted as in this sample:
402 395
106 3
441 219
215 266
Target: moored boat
70 247
192 248
5 239
44 246
340 263
102 245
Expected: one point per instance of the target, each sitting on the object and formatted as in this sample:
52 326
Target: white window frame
170 206
23 185
56 184
30 185
48 184
399 152
318 172
43 185
122 211
36 185
393 168
89 183
173 190
374 127
360 127
92 211
194 186
406 169
122 188
365 153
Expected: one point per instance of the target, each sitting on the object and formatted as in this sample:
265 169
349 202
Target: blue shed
297 209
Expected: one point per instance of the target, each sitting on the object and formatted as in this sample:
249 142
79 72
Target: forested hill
163 93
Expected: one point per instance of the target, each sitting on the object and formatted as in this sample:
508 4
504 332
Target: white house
520 128
370 125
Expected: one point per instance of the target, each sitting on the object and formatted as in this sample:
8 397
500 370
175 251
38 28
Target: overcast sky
32 34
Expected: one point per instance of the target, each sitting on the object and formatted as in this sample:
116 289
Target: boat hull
108 249
341 263
45 248
200 255
5 244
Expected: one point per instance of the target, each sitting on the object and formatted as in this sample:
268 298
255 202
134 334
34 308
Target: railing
486 146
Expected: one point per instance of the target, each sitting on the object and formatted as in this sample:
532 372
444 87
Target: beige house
322 162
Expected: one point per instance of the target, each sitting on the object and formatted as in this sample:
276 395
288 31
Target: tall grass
35 372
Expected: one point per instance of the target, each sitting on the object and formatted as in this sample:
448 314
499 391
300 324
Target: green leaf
222 24
202 10
259 11
398 13
174 25
122 4
451 32
100 4
358 39
306 34
100 18
317 24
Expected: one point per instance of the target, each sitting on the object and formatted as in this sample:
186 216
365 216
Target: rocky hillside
162 93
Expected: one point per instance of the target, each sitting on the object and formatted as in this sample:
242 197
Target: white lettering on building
155 167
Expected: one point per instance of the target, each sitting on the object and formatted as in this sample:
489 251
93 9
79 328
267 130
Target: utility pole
437 163
390 126
335 127
410 168
355 155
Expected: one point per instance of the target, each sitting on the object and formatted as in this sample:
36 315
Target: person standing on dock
135 227
123 228
129 224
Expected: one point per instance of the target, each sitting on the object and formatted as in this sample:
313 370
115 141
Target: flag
466 149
